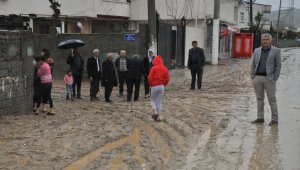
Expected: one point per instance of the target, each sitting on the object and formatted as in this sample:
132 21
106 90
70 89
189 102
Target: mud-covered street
203 129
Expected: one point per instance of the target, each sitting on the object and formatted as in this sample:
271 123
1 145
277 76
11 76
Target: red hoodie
159 74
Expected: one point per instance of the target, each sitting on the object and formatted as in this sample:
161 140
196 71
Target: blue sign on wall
129 37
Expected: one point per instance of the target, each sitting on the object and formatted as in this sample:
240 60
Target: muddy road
203 129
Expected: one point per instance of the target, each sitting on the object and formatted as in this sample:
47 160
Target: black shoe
192 88
79 97
67 98
258 121
108 100
273 122
93 99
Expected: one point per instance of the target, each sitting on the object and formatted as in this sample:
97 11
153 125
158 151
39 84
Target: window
242 17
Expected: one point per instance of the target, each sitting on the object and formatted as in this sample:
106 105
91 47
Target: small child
68 80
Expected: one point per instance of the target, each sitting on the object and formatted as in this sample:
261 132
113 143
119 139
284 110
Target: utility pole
216 28
152 26
278 21
251 14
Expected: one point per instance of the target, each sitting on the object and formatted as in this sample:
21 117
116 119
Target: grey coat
273 63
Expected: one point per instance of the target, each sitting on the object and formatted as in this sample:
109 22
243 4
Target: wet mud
202 129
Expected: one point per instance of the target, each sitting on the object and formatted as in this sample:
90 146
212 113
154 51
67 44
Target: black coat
147 65
135 69
108 73
118 63
199 57
74 68
92 69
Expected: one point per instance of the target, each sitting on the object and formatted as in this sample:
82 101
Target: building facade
243 20
124 16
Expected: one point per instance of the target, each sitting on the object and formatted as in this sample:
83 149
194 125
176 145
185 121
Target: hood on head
158 60
151 50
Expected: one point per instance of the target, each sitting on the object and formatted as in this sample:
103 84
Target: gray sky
275 3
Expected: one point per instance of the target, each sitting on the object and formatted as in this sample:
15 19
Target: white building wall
198 34
88 8
227 8
172 9
244 8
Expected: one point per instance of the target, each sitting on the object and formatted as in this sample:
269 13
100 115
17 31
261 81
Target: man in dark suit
134 75
94 74
147 66
196 62
109 78
76 65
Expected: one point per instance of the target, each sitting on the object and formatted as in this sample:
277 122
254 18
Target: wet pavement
203 129
245 146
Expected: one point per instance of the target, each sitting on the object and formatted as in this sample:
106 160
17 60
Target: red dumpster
242 45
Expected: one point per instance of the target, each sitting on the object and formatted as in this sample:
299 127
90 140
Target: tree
55 7
258 22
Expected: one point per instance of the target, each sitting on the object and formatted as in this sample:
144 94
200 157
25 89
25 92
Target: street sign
129 37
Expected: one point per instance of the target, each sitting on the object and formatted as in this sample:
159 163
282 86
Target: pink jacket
68 79
44 73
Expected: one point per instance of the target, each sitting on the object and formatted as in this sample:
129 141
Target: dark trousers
199 72
77 82
108 89
36 93
146 85
130 83
94 87
46 94
122 80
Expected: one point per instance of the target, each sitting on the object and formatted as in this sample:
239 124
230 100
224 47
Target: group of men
265 71
111 73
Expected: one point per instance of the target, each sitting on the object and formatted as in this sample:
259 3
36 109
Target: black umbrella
73 43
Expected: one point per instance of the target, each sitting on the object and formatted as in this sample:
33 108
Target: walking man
76 65
121 64
265 71
196 62
147 66
109 78
94 74
135 72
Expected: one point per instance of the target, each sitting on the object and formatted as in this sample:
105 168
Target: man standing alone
121 64
76 65
265 71
196 62
94 74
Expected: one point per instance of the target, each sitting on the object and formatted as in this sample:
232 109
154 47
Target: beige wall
227 11
169 9
89 8
198 34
